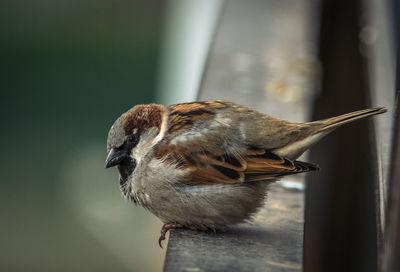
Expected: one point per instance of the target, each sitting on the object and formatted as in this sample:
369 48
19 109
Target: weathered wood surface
272 243
262 56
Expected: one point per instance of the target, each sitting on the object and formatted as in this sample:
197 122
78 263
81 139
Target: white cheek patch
135 156
149 139
163 129
141 149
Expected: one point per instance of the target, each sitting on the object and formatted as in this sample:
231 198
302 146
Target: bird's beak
115 157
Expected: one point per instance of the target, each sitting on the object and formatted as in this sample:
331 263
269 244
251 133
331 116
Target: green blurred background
68 70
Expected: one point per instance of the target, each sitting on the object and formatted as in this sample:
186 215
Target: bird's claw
165 229
160 241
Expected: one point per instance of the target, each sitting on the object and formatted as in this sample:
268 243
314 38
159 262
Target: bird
207 165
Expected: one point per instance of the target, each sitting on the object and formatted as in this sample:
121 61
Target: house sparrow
206 165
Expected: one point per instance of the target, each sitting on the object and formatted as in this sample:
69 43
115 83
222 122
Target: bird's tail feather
320 129
337 121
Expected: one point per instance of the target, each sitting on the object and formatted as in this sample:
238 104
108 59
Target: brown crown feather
143 117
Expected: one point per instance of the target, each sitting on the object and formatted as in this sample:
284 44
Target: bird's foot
165 229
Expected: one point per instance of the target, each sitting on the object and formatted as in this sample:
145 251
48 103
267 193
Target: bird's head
133 135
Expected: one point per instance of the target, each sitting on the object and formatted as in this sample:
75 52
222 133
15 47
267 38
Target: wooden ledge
272 242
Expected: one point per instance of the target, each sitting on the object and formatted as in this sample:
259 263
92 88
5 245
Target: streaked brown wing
210 169
182 116
266 165
206 159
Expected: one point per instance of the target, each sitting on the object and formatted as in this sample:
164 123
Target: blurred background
68 70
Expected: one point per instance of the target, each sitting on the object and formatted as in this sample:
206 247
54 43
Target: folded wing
206 168
206 155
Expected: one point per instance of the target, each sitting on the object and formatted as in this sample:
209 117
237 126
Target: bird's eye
132 140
